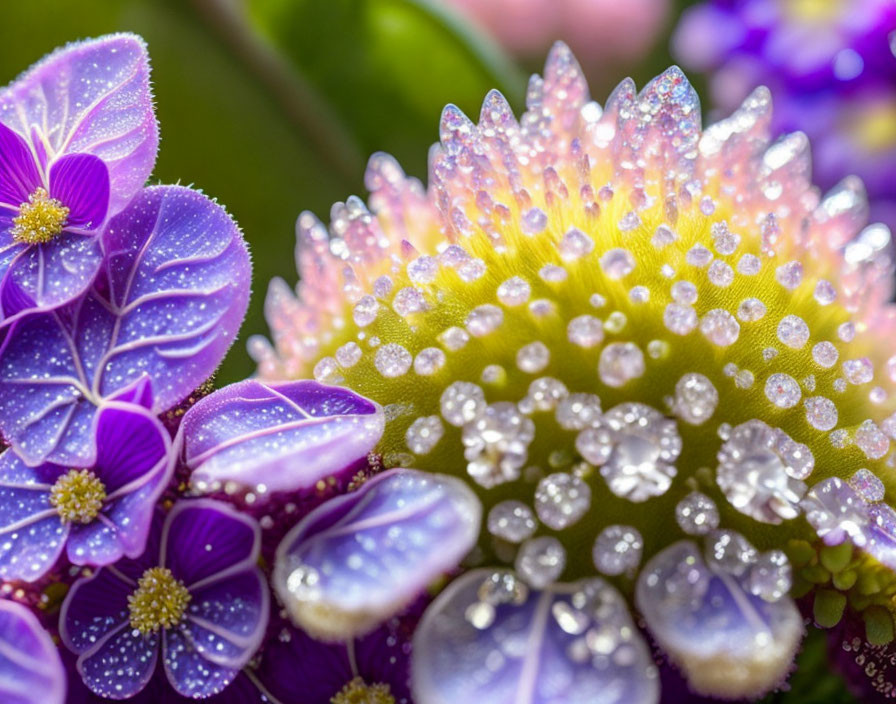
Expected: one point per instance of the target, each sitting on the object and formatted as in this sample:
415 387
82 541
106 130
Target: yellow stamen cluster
40 219
358 692
159 601
78 496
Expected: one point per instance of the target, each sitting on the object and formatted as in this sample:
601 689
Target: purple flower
78 139
30 669
98 513
277 437
195 595
831 70
165 308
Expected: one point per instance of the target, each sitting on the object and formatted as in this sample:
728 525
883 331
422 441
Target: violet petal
178 285
283 436
205 541
19 176
227 619
81 183
93 608
132 446
360 558
189 672
179 276
51 274
30 669
490 638
120 665
32 535
95 98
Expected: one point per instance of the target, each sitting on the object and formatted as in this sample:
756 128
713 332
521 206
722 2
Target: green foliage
387 67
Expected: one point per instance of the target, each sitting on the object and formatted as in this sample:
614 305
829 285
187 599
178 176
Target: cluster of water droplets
605 320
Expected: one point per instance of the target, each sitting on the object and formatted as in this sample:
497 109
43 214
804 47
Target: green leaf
387 67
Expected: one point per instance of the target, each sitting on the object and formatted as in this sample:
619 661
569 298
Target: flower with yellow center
40 219
159 601
78 495
637 340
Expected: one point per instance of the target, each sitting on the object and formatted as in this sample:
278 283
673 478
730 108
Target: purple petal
19 176
360 558
45 400
284 436
32 536
121 665
92 97
132 445
96 543
94 608
135 463
81 183
51 274
729 642
205 540
570 643
227 619
138 393
189 672
179 273
323 668
177 290
30 669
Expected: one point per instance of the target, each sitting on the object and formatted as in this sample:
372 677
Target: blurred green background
273 106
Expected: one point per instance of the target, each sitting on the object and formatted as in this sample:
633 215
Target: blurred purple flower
196 595
30 669
78 138
97 514
165 308
831 69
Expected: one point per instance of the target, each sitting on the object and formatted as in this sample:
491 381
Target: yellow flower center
159 601
40 219
814 10
875 129
78 496
358 692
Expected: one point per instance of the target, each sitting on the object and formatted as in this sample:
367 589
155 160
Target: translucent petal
489 638
360 558
728 642
283 436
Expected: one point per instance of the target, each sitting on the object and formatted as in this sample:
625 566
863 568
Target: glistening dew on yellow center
40 219
635 339
159 601
78 496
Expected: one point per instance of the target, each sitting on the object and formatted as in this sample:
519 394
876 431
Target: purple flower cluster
830 66
117 302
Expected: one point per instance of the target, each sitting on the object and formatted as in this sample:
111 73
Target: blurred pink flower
596 30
